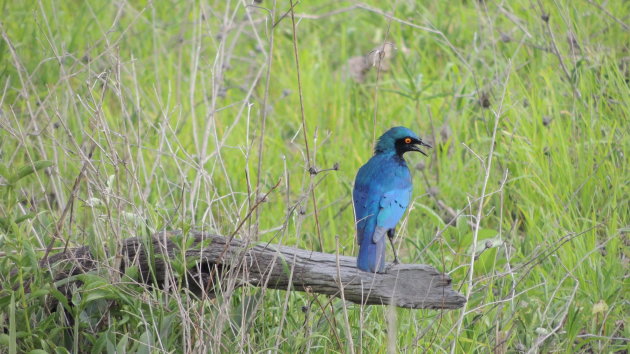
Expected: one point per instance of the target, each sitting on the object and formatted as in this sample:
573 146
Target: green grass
170 95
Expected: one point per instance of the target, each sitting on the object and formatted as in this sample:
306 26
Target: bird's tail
372 255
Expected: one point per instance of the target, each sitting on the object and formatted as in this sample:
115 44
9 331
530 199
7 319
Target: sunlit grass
170 98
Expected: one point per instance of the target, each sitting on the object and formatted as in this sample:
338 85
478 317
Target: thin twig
308 154
264 118
619 21
69 203
545 18
488 168
258 202
343 298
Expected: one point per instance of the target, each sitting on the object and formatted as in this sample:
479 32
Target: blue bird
382 191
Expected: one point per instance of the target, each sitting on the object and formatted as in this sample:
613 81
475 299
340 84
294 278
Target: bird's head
399 140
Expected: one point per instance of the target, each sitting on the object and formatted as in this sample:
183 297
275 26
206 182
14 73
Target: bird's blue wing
366 197
392 206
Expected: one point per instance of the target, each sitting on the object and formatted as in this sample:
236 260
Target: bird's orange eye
407 140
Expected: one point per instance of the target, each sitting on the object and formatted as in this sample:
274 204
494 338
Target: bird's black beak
417 144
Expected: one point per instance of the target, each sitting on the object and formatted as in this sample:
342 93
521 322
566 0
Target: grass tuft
118 119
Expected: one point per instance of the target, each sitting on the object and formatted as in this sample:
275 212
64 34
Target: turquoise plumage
382 192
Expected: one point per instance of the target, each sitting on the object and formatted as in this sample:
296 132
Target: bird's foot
392 265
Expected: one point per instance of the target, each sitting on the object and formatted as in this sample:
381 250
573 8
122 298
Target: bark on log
221 262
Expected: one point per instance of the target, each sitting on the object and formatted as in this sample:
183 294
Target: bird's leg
390 235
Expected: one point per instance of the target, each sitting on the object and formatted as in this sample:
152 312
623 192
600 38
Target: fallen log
220 261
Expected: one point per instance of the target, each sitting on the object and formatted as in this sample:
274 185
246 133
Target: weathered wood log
220 260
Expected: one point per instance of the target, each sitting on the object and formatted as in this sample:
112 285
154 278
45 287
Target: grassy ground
192 111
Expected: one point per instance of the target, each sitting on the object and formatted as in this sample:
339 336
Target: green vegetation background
171 95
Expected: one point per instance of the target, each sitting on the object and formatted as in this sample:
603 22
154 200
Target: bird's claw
392 265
